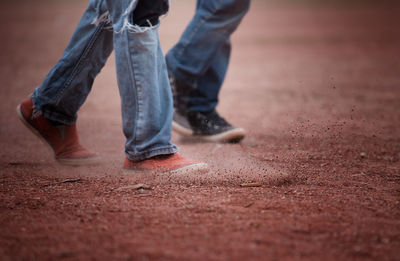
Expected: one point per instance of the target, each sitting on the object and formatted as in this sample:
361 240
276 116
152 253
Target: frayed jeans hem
152 153
52 115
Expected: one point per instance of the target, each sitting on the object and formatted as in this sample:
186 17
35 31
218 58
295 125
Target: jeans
200 59
124 26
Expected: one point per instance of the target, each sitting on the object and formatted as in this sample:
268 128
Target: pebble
135 187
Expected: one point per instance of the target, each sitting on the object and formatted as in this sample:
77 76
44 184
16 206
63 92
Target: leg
52 112
198 67
204 98
146 97
68 84
189 60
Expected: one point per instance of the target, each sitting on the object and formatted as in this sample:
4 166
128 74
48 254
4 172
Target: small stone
134 187
71 180
104 228
144 195
363 155
249 205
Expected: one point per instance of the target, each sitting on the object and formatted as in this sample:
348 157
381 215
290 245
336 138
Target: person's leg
68 84
146 98
208 31
197 67
52 111
204 98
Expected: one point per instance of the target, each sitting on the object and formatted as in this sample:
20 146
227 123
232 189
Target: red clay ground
316 86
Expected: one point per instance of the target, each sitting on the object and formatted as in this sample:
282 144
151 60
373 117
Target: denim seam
133 81
98 6
77 68
139 94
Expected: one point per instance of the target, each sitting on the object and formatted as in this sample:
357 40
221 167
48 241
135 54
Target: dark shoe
62 139
206 126
172 163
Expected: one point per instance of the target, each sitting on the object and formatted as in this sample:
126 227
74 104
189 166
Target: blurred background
315 83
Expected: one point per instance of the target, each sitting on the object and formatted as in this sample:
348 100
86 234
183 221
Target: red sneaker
172 163
62 140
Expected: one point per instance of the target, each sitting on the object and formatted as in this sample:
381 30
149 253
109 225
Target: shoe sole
234 135
181 130
69 162
197 167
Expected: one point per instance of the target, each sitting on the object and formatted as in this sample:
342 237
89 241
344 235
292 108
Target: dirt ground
316 86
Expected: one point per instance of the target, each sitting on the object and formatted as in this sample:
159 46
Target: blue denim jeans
200 59
146 100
